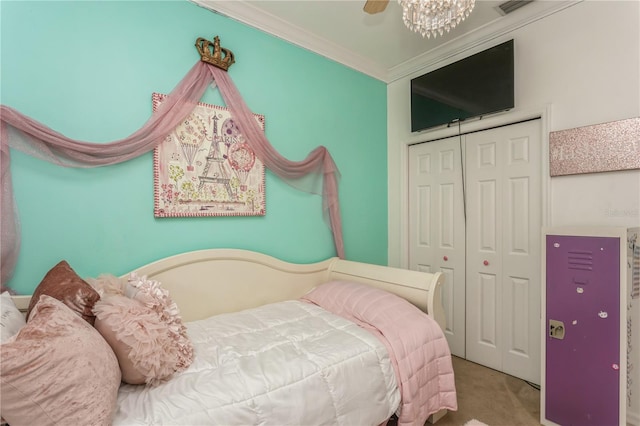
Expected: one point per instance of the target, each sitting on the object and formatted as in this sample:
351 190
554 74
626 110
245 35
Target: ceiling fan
375 6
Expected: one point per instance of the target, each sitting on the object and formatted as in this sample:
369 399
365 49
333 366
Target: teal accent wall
88 69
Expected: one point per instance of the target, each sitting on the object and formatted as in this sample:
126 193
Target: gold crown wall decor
212 53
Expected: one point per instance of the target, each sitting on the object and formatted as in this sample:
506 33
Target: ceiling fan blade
375 6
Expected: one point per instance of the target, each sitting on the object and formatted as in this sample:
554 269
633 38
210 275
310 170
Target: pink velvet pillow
57 370
145 332
62 283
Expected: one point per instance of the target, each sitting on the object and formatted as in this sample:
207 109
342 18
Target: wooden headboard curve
214 281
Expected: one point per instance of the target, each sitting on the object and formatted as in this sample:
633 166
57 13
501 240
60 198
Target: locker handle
486 263
445 258
556 329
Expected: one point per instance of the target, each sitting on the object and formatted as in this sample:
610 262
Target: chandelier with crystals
433 17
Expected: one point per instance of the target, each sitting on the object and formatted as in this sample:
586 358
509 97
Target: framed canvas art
206 168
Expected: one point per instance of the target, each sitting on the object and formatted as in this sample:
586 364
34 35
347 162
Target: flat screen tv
474 86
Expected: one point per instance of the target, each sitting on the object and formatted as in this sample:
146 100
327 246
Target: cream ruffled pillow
144 330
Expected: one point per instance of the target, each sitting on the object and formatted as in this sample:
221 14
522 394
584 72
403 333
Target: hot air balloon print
205 168
241 159
190 134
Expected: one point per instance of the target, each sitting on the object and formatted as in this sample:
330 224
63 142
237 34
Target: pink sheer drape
317 173
308 175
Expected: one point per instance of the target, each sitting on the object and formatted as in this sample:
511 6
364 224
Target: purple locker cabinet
583 330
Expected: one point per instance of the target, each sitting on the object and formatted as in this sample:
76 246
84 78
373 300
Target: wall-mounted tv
474 86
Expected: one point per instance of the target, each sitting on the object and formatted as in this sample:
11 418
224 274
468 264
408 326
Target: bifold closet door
503 189
437 228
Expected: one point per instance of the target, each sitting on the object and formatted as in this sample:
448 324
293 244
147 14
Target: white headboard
208 282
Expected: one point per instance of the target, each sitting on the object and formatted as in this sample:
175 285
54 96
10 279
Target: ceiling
378 45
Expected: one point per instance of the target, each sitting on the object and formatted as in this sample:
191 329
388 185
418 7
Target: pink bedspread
418 348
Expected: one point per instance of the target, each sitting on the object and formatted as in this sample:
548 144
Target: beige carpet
491 397
475 422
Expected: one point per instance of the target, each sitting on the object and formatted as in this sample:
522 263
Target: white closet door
503 249
436 227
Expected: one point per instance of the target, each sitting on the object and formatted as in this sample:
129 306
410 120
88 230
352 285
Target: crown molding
476 39
245 13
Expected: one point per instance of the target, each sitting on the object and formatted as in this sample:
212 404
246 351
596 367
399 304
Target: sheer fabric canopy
316 174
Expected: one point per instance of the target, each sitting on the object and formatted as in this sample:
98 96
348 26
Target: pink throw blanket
416 344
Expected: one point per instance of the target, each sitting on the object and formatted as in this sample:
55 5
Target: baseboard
437 416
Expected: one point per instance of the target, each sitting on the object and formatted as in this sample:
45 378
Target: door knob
486 263
445 258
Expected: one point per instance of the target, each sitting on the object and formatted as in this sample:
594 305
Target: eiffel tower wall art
206 168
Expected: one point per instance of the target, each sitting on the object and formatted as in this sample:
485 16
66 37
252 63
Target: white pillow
11 319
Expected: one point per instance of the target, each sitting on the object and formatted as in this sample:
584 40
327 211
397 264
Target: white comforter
285 363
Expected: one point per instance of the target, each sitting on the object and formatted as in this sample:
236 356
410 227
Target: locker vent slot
580 259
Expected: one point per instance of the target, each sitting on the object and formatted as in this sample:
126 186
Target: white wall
579 66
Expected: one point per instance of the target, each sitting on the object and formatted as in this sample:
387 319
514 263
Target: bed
345 355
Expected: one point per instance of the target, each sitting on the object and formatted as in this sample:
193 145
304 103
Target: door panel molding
493 269
437 221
